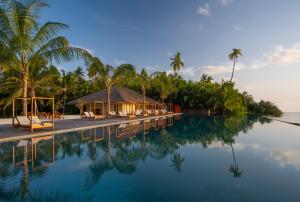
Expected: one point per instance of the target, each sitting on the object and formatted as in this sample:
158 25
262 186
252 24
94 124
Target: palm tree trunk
108 100
232 70
64 102
25 87
35 103
144 100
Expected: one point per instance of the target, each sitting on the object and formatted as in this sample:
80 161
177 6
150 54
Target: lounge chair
124 114
86 115
92 115
36 122
139 113
112 114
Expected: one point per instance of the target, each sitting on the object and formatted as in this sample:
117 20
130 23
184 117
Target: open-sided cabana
121 99
30 120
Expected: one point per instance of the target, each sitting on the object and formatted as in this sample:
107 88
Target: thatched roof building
121 99
117 95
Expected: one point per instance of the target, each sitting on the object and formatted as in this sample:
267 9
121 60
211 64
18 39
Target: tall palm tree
110 76
23 41
176 62
144 81
233 56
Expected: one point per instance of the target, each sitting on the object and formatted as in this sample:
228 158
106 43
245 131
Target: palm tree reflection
177 161
234 169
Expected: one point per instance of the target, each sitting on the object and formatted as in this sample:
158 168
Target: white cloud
219 69
237 27
188 72
119 62
204 10
279 55
84 48
226 2
286 157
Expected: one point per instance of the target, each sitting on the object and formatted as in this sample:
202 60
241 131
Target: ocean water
293 117
177 159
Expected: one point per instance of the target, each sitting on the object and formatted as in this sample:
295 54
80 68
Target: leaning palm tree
23 41
110 76
143 80
176 62
234 56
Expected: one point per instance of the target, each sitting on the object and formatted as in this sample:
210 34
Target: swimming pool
173 159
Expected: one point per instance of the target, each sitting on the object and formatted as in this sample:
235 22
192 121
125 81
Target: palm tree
40 79
176 63
206 78
163 83
143 80
110 76
234 56
69 82
24 42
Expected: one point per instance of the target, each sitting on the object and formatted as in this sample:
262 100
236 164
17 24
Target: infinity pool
174 159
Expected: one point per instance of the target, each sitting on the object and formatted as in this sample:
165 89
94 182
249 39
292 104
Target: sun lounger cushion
86 114
92 114
23 120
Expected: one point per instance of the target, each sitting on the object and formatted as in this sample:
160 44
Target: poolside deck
8 133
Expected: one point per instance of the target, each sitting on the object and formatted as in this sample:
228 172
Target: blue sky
147 33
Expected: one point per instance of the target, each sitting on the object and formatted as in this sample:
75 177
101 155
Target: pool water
174 159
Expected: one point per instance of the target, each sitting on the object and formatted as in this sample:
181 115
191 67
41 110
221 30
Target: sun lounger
112 114
24 121
86 115
124 114
92 115
139 113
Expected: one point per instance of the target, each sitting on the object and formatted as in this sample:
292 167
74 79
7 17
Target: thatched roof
117 95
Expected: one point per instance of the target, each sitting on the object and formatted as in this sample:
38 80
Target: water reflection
118 147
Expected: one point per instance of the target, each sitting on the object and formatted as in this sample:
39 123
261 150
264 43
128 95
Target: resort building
121 99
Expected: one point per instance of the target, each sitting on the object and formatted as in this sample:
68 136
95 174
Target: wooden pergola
33 112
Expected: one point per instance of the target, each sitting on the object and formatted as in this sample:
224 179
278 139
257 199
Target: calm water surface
176 159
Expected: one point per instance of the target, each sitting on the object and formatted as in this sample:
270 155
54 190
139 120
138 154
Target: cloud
219 69
111 23
204 10
237 28
84 48
119 62
226 2
279 55
286 157
188 72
